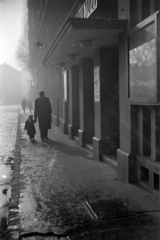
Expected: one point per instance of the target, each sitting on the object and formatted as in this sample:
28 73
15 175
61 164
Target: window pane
142 64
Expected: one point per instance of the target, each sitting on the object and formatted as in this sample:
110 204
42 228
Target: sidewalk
64 191
8 132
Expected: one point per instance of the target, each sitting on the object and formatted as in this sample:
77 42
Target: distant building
10 81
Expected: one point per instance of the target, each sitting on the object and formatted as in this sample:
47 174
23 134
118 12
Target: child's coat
29 126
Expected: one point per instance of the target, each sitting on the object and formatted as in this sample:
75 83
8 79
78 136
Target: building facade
98 61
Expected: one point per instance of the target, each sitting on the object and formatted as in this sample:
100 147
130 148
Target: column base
96 149
127 166
100 148
84 137
64 127
103 147
72 131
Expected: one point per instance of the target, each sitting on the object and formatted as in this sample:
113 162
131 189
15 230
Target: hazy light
11 15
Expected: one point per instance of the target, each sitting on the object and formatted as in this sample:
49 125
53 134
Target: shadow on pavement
64 148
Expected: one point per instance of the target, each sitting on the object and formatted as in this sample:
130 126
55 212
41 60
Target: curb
13 228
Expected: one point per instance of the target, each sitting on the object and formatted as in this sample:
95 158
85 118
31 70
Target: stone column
86 101
73 124
126 161
106 102
65 103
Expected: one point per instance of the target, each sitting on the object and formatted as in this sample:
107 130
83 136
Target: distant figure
29 126
24 104
43 111
30 106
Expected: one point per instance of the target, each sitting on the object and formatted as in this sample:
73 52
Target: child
29 126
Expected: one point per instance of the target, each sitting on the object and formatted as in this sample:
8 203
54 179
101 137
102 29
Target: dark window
107 9
156 181
157 5
133 13
146 131
144 175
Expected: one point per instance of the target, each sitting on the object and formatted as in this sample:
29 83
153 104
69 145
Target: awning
67 42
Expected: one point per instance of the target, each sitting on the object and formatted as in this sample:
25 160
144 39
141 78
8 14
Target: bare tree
22 53
143 55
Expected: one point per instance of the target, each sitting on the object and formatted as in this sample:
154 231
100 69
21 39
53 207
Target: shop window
144 175
145 9
142 86
156 181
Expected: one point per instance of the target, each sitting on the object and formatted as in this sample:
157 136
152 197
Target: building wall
136 133
139 131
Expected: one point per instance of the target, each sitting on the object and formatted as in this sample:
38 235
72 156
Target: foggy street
63 193
80 120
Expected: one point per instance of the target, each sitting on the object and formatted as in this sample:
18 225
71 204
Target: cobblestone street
64 192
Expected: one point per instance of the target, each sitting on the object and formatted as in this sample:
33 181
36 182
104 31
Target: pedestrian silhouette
29 126
43 111
24 104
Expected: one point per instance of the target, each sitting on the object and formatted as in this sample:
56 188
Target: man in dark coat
43 111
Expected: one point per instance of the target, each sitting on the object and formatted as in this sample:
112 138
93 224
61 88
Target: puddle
5 188
5 174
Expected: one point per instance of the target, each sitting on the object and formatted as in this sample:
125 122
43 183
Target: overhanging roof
100 32
49 18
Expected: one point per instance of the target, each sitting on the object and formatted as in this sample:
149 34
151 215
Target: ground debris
4 191
10 161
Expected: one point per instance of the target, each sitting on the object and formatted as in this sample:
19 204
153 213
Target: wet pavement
65 194
8 132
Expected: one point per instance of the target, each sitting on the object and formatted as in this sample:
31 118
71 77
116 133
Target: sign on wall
87 8
96 85
65 85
